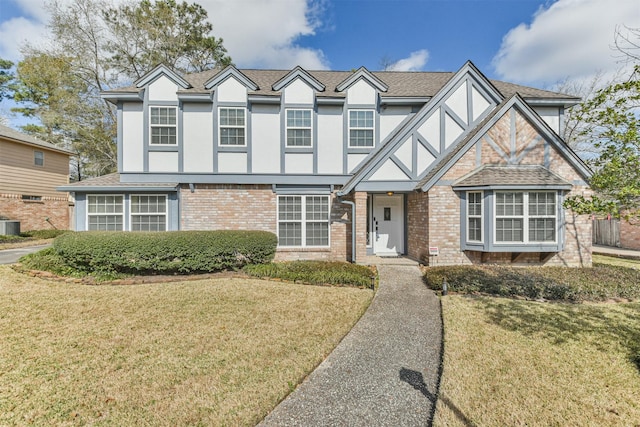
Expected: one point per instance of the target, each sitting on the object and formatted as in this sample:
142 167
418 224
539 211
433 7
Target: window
303 221
526 217
298 128
38 158
542 217
31 198
361 128
149 213
105 213
474 216
163 126
232 122
509 217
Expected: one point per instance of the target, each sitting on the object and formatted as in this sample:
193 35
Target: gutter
353 228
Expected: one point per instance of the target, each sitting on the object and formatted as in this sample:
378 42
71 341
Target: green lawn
211 352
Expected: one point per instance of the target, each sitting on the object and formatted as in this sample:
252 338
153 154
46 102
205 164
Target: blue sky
531 42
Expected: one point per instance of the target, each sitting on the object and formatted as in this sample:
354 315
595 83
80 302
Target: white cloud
415 62
256 33
570 38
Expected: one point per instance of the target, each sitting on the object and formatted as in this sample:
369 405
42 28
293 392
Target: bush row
182 252
599 283
44 234
315 272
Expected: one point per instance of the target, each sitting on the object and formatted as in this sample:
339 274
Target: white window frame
121 214
165 213
372 128
35 158
162 125
220 126
525 219
303 220
288 128
481 216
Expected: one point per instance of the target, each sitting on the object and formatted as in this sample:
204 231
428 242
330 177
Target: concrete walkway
616 252
10 256
385 372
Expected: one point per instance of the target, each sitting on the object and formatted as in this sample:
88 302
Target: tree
95 48
6 78
612 122
182 41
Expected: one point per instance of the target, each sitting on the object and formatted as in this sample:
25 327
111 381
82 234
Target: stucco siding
197 138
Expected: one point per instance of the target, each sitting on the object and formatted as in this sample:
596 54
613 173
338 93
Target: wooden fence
606 232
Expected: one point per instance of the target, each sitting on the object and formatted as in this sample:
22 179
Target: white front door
388 224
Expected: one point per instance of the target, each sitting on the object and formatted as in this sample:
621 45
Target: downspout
353 227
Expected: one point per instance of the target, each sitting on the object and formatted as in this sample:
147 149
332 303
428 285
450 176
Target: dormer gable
158 72
362 74
298 73
231 72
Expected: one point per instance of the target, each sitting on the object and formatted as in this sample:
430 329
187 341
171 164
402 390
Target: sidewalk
616 252
10 256
385 372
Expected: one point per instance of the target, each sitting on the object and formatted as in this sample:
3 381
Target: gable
231 90
298 92
163 89
414 148
361 93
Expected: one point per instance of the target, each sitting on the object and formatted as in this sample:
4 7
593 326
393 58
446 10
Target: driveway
10 256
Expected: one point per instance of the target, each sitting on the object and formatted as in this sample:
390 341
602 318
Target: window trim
525 218
152 125
165 213
220 126
35 158
121 214
481 216
303 221
287 127
372 128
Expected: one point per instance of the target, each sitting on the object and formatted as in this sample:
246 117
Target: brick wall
630 235
33 214
254 207
418 226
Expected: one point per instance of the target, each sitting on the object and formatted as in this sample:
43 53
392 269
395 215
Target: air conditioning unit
10 228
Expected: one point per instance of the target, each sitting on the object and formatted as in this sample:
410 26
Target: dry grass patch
620 262
210 352
510 362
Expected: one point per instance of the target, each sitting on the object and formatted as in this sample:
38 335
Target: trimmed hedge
315 272
44 234
181 252
598 283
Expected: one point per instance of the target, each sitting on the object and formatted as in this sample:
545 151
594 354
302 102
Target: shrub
48 260
182 252
44 234
598 283
315 272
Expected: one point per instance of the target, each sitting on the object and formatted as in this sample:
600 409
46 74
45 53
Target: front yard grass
514 362
207 352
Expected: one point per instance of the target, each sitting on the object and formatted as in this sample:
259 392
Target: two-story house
345 164
30 171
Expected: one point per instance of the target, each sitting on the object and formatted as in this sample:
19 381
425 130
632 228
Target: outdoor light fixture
389 193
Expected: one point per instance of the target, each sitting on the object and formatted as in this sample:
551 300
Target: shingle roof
112 180
401 83
511 176
16 136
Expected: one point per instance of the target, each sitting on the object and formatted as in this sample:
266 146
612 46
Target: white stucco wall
197 137
361 93
298 92
162 89
330 144
231 90
265 155
163 161
132 137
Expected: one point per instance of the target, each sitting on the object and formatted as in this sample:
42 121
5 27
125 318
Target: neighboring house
630 234
30 171
395 162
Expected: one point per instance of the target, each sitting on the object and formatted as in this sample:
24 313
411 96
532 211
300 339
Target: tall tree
94 48
183 41
612 122
6 78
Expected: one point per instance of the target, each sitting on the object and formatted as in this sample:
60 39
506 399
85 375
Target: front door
388 224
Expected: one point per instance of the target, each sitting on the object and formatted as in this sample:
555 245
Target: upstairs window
149 213
38 158
105 213
361 128
163 126
298 128
232 126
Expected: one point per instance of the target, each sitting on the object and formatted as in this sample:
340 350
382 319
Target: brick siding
33 214
630 234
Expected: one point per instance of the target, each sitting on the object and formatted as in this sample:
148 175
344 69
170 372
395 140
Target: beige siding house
30 171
